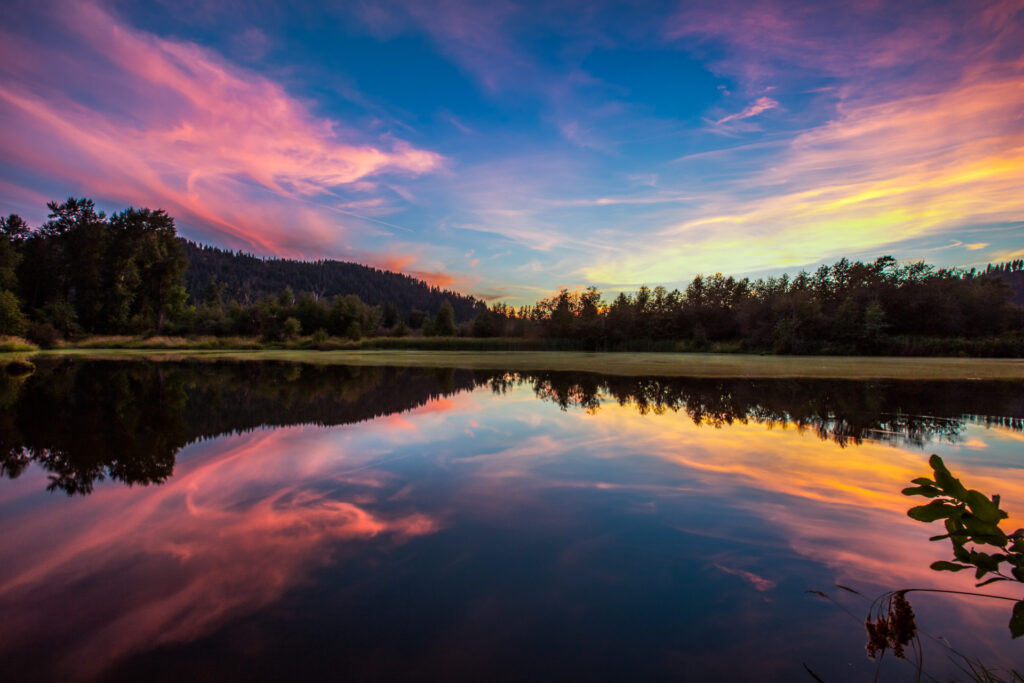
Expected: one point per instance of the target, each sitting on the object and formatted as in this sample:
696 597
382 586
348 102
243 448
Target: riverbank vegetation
88 280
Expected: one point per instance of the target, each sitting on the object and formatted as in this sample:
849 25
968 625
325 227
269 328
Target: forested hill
1014 279
249 278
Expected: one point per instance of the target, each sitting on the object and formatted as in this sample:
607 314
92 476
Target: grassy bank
330 344
16 344
619 363
1003 347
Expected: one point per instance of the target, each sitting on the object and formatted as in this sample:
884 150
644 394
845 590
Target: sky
506 149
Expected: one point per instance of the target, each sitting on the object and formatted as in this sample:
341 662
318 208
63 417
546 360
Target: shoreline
665 364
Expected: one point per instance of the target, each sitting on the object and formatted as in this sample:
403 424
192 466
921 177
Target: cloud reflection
230 533
544 486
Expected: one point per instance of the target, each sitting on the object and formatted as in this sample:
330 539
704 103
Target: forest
83 273
248 279
848 307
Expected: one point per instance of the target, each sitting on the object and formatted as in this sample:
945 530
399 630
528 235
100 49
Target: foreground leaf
934 510
943 566
1017 620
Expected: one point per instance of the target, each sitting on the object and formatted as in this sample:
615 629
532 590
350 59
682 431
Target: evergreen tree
444 323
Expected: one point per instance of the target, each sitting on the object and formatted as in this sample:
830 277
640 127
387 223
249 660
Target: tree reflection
843 411
86 421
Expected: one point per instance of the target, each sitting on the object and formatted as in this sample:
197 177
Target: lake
189 520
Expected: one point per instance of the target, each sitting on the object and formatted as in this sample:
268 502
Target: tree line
847 307
84 273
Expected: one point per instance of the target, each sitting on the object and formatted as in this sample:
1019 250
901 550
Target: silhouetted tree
444 324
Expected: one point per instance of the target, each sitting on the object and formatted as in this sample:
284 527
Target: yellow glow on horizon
877 175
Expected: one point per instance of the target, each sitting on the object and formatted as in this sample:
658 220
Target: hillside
249 278
1015 281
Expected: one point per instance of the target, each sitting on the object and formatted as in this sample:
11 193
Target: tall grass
16 345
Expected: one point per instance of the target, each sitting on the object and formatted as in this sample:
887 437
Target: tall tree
444 324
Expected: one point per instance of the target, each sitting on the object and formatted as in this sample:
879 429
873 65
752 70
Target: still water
270 521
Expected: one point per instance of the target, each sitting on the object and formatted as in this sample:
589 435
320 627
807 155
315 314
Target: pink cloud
758 582
761 105
878 49
215 144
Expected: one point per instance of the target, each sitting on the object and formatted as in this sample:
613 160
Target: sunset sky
504 149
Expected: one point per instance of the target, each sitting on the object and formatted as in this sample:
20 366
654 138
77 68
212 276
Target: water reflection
844 411
370 523
84 422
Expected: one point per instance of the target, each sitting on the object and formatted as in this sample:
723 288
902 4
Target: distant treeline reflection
86 421
844 411
126 420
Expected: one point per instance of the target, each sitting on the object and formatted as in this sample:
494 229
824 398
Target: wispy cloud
761 105
877 175
218 145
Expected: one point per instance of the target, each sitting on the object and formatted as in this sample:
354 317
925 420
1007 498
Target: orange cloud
878 174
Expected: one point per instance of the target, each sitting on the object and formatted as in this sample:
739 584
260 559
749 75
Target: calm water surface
268 521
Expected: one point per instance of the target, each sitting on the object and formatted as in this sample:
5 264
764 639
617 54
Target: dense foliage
82 271
249 279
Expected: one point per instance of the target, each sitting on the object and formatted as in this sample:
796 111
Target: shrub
292 328
12 320
44 335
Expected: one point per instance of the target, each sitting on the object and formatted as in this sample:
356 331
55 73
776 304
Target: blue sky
505 149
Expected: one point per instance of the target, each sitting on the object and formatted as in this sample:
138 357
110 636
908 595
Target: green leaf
983 532
926 491
945 480
986 562
957 532
943 566
983 508
934 510
1017 620
1018 573
922 481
